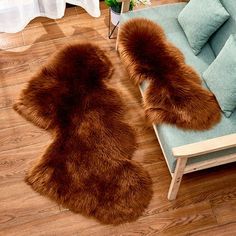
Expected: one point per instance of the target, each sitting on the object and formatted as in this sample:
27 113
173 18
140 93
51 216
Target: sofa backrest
218 39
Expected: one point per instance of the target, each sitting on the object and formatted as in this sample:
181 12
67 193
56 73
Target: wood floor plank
32 206
177 222
46 33
62 28
222 230
9 118
224 206
13 76
9 95
15 162
26 54
20 136
8 40
41 49
225 211
65 223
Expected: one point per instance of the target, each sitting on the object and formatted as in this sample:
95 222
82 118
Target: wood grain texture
9 118
8 40
225 211
12 77
177 222
206 199
222 230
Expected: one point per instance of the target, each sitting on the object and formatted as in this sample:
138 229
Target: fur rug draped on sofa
174 94
88 167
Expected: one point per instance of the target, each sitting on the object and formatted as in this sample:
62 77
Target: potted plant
115 8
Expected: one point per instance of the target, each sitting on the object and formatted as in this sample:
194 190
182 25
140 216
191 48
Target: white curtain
16 14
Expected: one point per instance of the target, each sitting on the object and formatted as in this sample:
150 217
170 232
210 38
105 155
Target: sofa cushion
170 136
218 39
220 77
199 24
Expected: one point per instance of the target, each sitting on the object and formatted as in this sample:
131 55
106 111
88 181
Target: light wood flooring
206 204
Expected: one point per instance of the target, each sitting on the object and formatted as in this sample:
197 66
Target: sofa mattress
169 135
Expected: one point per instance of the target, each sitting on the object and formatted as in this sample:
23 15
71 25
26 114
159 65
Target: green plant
116 6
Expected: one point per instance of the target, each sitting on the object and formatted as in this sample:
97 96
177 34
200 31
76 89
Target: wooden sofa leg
177 177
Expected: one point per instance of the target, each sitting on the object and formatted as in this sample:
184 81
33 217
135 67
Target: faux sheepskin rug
88 167
174 94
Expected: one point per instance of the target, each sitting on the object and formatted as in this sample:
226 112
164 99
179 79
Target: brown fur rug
174 95
88 167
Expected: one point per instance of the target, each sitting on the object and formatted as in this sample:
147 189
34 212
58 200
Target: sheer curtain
16 14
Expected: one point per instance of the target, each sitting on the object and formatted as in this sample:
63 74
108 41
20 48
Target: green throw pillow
220 76
200 19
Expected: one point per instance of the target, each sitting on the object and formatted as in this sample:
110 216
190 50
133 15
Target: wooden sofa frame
182 153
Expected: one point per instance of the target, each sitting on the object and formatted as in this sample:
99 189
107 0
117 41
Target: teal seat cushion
220 77
200 19
218 39
170 136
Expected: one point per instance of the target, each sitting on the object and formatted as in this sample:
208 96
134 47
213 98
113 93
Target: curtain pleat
16 14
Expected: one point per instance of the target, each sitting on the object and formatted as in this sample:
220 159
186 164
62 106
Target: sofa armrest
204 147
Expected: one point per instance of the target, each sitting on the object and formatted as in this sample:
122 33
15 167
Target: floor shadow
45 45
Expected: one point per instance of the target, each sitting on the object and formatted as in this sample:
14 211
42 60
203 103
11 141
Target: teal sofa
188 151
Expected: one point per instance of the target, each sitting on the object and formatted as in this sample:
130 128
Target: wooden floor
206 204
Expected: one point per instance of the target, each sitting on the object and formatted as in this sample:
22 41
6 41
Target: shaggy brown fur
88 166
174 95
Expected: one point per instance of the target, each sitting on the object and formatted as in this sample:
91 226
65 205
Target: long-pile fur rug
88 167
174 95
